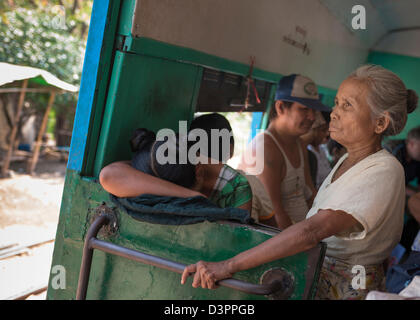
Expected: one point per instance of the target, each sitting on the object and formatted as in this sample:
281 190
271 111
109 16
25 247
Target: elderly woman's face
351 121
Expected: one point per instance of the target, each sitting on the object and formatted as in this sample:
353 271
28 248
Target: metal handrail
91 243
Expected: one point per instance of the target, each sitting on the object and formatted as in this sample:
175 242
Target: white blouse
373 192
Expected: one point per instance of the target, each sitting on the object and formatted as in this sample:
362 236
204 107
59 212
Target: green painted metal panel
126 17
144 92
118 278
328 95
151 47
96 69
405 67
104 72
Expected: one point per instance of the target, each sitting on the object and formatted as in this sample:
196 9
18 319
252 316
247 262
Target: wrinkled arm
297 238
122 180
300 237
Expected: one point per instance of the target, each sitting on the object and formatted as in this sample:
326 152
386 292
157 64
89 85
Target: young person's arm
271 176
270 222
122 180
247 206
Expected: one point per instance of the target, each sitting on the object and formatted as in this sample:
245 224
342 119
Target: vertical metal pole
34 159
87 256
6 163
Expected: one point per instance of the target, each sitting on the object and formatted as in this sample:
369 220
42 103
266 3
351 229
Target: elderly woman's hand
207 273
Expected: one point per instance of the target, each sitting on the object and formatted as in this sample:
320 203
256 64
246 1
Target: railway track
29 258
10 250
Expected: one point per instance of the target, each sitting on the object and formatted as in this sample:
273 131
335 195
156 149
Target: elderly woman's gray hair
387 93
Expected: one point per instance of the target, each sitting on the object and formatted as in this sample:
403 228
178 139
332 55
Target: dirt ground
29 211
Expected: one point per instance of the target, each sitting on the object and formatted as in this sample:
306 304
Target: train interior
154 63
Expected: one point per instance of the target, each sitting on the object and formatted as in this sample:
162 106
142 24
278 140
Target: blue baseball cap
297 88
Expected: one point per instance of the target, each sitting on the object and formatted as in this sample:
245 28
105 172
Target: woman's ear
382 123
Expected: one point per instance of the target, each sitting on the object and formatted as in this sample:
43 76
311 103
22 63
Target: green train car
153 63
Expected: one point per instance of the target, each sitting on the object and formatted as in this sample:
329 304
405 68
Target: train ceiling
285 36
398 14
385 19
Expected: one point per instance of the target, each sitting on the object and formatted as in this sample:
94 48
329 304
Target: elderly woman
358 211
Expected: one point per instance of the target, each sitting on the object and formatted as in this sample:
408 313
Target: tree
41 38
50 35
76 11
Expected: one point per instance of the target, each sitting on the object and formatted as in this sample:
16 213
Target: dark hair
211 121
144 145
273 112
414 134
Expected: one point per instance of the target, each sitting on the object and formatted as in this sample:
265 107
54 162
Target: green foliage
75 12
49 35
39 39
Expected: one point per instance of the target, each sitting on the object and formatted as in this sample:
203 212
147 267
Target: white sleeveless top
294 191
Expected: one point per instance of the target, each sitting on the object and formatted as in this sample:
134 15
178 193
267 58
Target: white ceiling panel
391 24
397 14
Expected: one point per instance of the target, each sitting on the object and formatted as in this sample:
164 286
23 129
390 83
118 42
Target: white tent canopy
10 73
